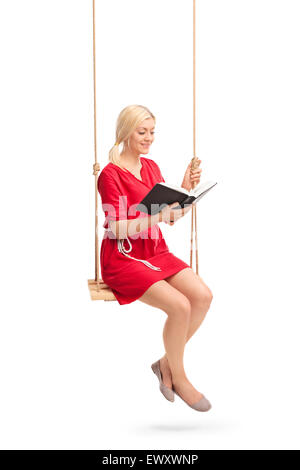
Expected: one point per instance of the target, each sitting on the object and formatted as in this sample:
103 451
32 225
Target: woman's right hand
170 216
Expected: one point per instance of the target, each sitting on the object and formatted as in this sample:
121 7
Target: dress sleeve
114 203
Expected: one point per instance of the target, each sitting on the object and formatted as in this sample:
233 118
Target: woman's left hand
191 176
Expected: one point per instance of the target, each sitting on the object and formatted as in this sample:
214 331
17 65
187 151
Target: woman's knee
167 298
208 296
180 307
203 297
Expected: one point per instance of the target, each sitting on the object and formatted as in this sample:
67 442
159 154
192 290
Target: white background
75 374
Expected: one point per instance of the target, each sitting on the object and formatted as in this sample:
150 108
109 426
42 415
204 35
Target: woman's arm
129 227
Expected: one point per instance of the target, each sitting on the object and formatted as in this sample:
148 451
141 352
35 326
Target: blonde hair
128 120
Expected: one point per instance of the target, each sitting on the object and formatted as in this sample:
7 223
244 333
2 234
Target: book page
208 186
202 187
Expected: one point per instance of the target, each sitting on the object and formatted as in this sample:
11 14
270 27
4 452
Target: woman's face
143 136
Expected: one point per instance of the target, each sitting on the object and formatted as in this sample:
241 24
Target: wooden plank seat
100 291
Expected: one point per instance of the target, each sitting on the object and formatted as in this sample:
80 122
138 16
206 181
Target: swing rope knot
96 168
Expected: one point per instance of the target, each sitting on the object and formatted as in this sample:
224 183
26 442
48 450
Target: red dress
149 261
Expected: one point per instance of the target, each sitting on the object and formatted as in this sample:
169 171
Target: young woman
150 273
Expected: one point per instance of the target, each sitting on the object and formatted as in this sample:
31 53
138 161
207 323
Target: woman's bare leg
200 296
164 296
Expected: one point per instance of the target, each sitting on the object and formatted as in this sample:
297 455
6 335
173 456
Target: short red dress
149 261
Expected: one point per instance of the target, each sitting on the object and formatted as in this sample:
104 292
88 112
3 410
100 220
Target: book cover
163 194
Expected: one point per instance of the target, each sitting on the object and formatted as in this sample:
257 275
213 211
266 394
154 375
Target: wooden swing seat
100 291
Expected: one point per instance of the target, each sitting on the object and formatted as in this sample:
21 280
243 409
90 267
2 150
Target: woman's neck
130 159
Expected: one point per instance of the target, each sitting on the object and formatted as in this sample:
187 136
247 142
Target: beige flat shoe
201 405
166 391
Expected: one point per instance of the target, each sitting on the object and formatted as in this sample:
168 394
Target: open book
163 194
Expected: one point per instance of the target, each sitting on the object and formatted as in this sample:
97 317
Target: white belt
125 252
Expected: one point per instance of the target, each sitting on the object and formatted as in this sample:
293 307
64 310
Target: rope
194 163
122 249
96 166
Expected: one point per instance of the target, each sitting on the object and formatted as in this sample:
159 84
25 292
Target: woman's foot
187 391
183 387
165 372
